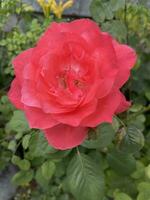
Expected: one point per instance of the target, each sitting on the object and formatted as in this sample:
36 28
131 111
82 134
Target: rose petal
105 110
14 94
87 29
124 104
29 94
107 68
38 119
79 27
102 88
65 137
75 117
20 61
105 56
84 28
126 58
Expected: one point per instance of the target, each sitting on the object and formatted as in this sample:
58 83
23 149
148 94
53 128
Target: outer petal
38 119
75 117
20 61
126 57
124 105
81 26
14 94
65 137
103 87
86 28
105 110
105 56
29 95
103 50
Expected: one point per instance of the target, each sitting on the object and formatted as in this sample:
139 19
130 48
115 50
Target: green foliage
116 28
117 4
18 40
121 196
117 182
85 178
22 177
144 191
140 170
22 164
48 169
98 10
104 136
102 10
114 161
133 140
25 141
121 163
38 146
17 123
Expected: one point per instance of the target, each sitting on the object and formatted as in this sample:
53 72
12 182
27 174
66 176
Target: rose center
69 80
63 82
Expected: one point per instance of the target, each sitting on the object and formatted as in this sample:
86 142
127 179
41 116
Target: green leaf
99 159
84 178
138 122
38 146
101 10
116 28
40 179
117 4
48 169
22 177
12 145
22 164
144 196
15 159
18 122
121 163
144 187
61 168
136 108
25 141
18 135
59 154
140 170
133 140
37 161
147 171
105 134
97 10
121 196
144 191
108 11
122 183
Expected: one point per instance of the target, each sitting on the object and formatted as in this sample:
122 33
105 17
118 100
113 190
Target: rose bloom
71 81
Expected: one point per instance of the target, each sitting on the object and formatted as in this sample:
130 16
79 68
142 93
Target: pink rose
71 81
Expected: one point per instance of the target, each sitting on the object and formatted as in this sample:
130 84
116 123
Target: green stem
122 123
